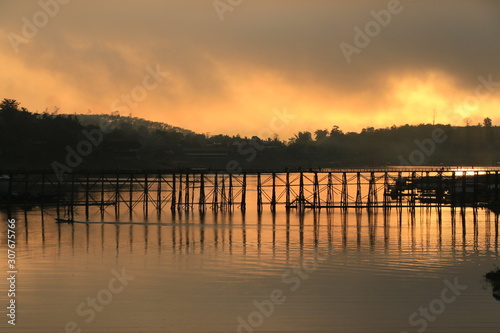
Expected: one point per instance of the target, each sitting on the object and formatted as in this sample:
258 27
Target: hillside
48 141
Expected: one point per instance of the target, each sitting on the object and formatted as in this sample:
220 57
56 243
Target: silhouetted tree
487 122
321 135
302 138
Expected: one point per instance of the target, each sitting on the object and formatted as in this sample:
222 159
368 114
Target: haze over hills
69 142
135 122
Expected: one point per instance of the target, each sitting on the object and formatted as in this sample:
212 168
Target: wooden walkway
189 189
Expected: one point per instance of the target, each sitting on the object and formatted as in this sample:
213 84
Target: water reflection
275 233
217 263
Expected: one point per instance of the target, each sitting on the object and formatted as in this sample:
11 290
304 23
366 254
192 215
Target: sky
256 67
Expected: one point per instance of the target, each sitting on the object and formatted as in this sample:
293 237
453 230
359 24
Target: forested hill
45 141
130 122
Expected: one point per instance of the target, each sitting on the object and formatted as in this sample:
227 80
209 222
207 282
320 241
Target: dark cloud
298 39
104 46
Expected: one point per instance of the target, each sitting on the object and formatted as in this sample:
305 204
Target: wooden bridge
189 189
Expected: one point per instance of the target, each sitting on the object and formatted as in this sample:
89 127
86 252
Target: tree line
35 140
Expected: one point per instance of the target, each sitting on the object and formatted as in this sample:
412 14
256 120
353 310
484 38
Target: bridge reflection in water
428 228
218 262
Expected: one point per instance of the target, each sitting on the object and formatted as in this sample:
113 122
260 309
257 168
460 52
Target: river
316 271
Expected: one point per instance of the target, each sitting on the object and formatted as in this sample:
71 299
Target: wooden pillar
317 203
193 190
146 195
215 199
223 198
344 195
131 190
273 195
186 194
117 195
386 187
259 193
476 187
301 201
439 189
453 189
179 199
287 190
358 190
230 198
102 194
202 193
400 197
87 194
158 194
330 193
413 198
464 188
244 192
174 192
372 191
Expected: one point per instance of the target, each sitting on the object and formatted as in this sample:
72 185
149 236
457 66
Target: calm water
326 272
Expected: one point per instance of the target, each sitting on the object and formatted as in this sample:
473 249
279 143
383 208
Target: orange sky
265 57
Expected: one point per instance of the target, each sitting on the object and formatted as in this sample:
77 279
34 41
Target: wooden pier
186 190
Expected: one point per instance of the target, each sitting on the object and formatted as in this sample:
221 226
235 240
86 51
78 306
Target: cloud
229 76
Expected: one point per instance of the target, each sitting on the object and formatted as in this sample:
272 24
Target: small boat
59 220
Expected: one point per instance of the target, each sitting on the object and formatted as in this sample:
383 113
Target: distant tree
9 105
336 131
321 135
487 122
302 138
